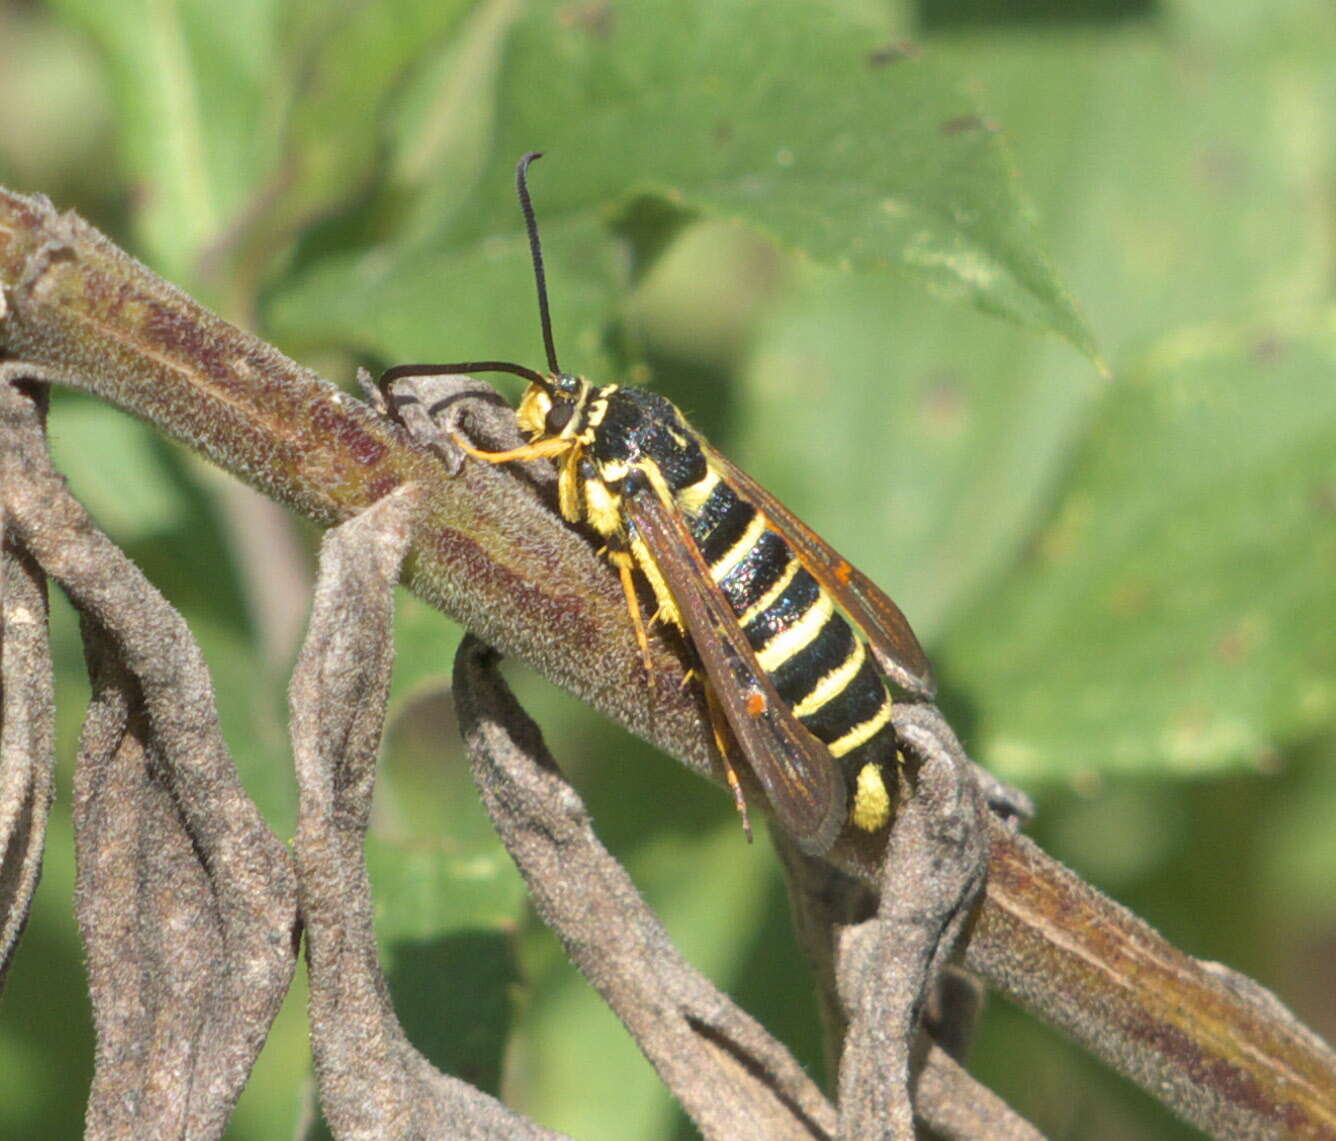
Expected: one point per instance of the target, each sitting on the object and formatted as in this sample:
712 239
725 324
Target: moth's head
550 405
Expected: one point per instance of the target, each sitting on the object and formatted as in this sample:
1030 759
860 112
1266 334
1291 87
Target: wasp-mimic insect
798 649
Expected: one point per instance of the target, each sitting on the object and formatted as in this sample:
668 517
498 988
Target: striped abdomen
818 664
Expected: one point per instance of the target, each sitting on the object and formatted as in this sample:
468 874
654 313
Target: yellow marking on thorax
768 599
656 480
602 509
613 470
788 642
834 683
862 734
568 484
871 806
598 408
738 551
692 498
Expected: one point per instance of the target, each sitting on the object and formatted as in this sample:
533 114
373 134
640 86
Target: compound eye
558 416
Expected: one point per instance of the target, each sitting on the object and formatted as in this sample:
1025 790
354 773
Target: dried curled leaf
730 1076
373 1083
185 898
27 717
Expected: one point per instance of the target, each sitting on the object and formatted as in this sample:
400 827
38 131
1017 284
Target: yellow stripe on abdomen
738 551
834 683
771 596
783 645
692 497
862 734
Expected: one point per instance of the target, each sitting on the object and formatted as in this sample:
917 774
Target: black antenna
536 250
463 368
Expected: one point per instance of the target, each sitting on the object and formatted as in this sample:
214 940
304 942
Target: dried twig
730 1076
824 900
1234 1063
934 866
825 903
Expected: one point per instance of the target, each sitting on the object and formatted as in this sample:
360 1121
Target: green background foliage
847 238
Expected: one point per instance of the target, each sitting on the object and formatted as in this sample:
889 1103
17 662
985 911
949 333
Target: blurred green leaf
1299 844
921 440
251 114
46 1028
114 464
55 105
572 1089
424 648
1297 28
445 923
347 64
1180 184
191 83
875 160
446 896
1177 612
350 59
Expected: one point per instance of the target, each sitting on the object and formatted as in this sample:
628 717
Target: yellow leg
623 562
723 739
542 449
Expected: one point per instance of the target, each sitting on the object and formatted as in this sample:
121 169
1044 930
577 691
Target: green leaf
469 301
1175 192
1299 849
445 922
874 160
246 118
921 441
424 649
350 60
801 123
117 470
191 83
1176 613
607 1088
